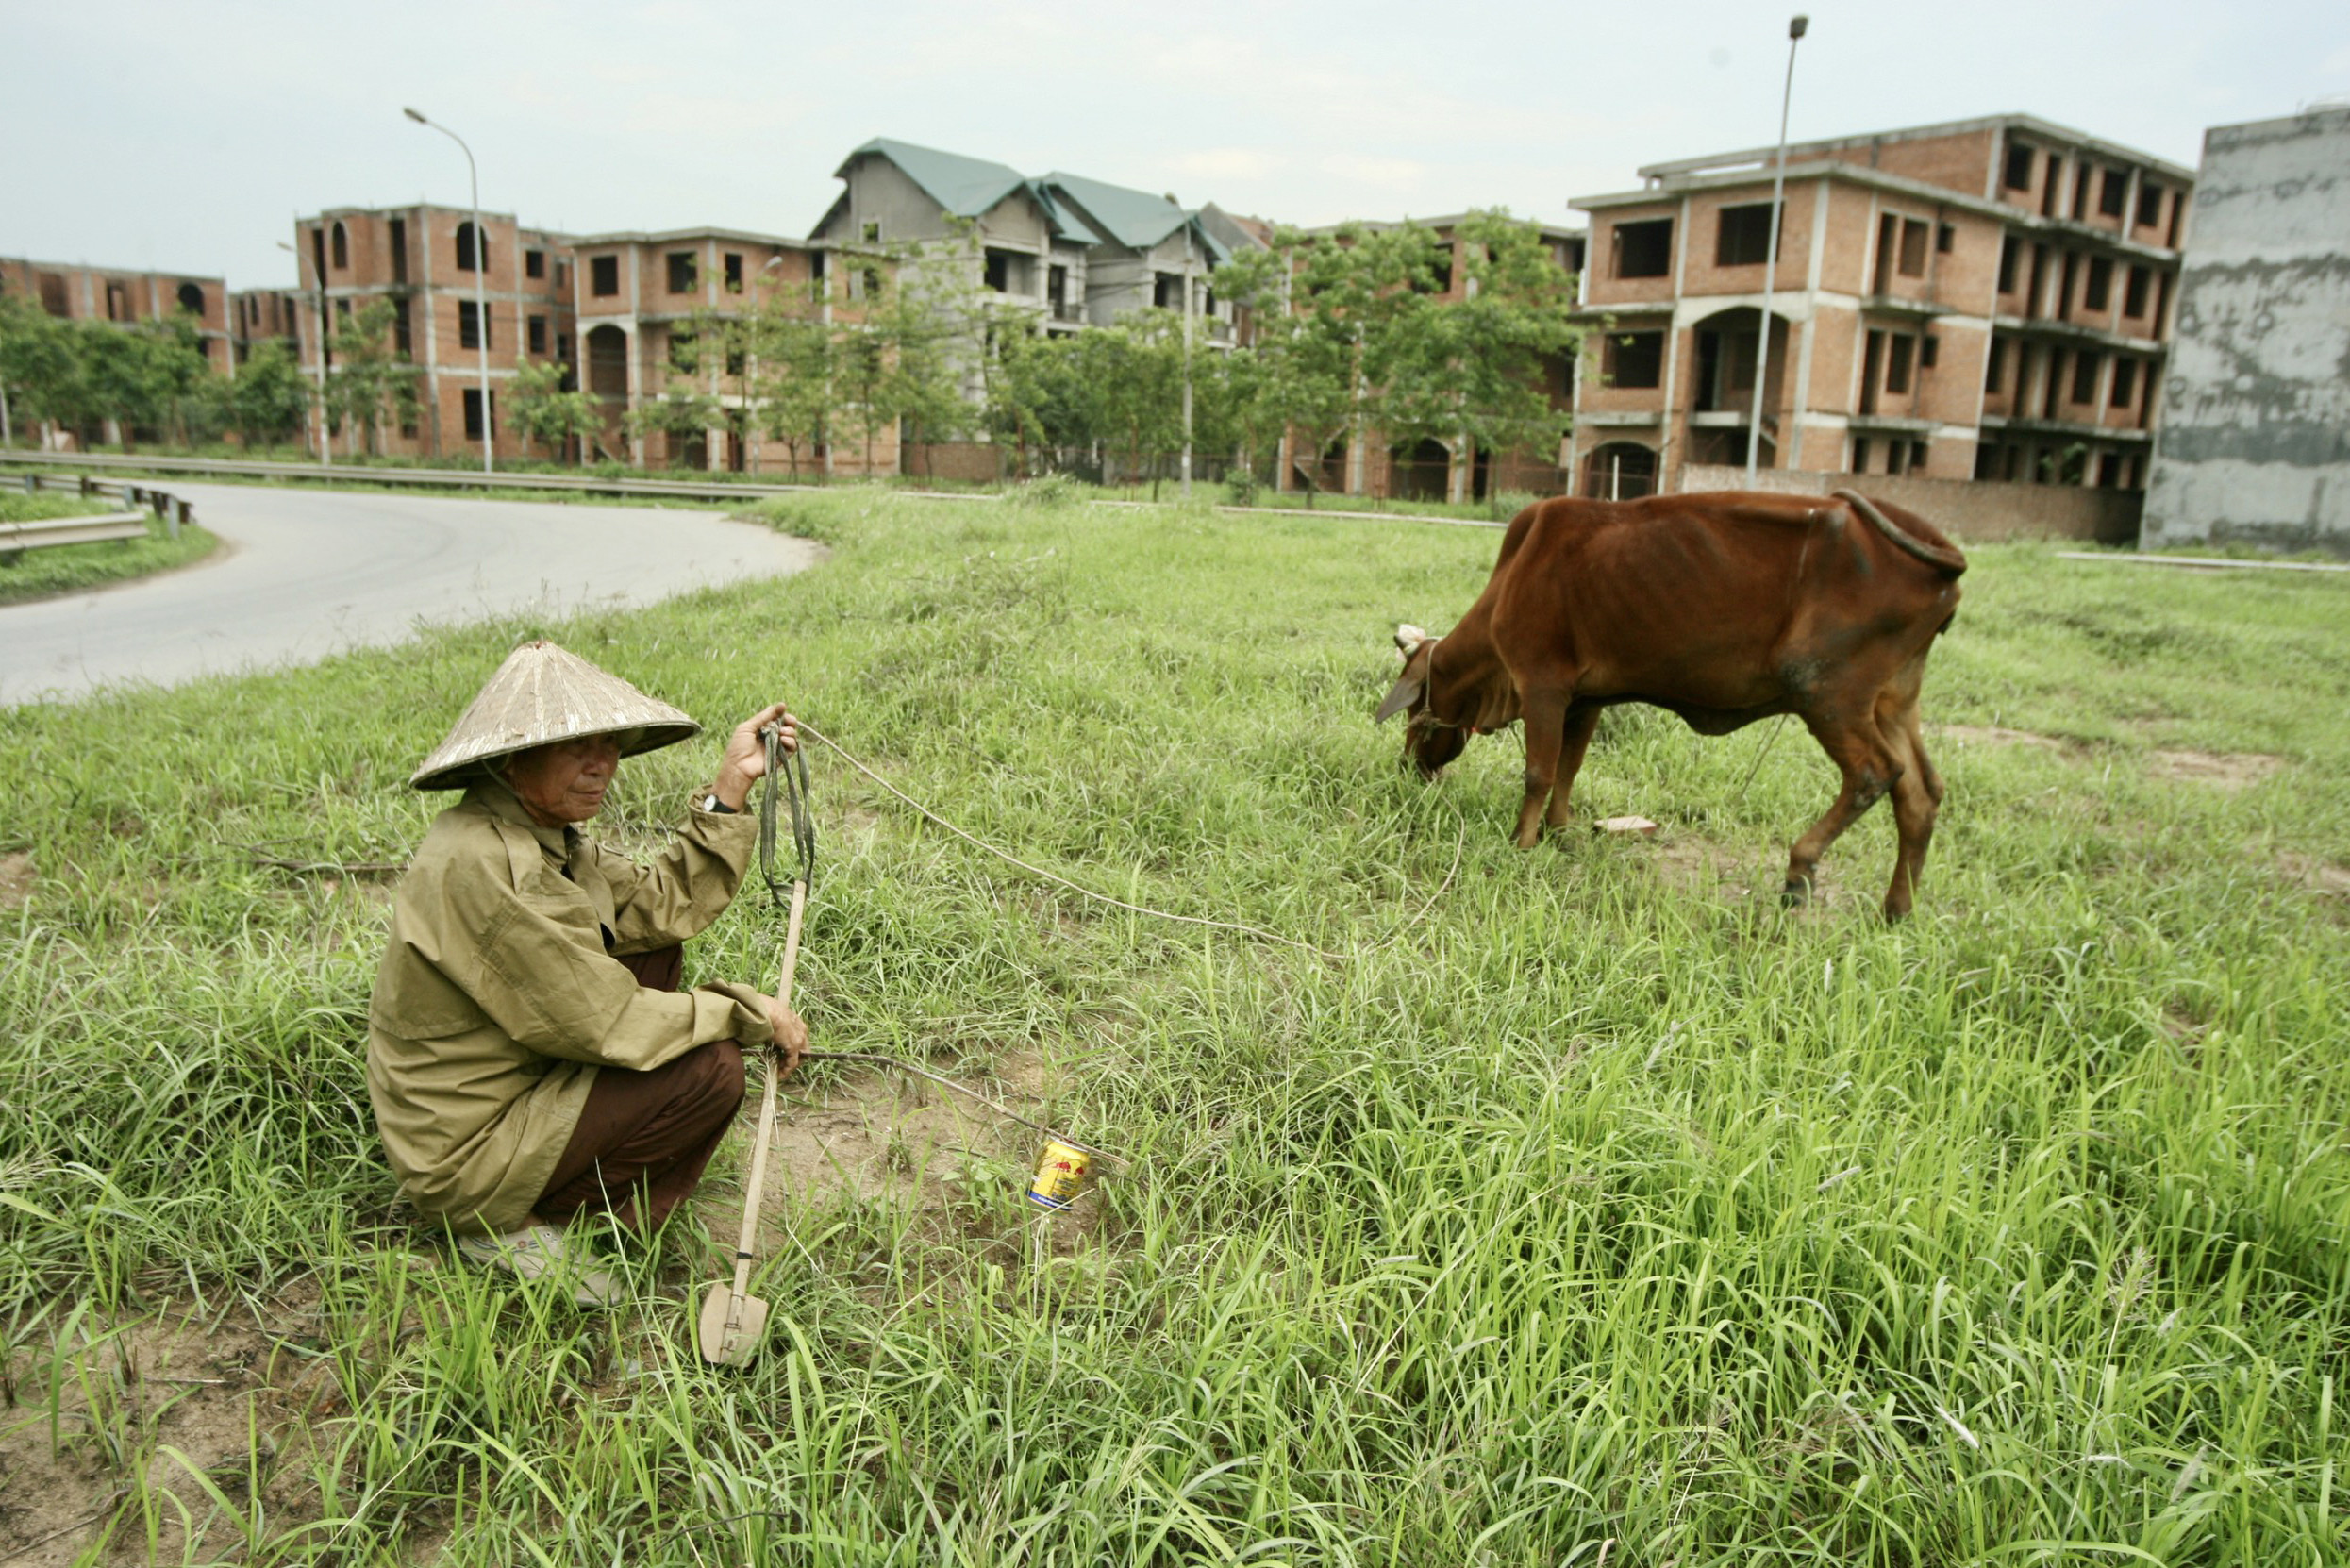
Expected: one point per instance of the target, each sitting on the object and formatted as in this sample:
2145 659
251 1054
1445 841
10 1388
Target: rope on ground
1257 931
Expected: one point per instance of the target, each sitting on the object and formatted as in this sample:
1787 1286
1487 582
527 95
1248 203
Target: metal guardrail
92 528
442 478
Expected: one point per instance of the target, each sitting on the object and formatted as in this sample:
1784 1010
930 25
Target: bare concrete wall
2255 442
1975 509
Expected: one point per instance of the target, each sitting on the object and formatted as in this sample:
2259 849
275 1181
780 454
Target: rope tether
1257 931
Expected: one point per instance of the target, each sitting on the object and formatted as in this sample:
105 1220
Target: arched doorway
1721 390
1620 471
1422 470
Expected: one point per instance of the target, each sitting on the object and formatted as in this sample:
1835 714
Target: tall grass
1592 1199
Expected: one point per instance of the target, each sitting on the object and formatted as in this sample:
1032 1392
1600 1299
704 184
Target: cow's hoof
1797 893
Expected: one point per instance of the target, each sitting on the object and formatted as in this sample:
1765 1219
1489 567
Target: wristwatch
711 803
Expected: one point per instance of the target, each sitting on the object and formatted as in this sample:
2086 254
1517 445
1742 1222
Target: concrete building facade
2254 444
1985 299
424 259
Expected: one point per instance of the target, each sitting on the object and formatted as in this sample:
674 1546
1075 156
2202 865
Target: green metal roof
967 186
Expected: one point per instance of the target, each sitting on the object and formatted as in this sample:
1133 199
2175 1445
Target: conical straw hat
544 693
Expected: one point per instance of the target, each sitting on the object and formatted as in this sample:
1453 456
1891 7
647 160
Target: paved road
301 574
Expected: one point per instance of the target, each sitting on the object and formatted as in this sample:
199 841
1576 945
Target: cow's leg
1581 723
1917 790
1545 713
1868 769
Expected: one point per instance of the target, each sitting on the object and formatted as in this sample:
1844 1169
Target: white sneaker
538 1252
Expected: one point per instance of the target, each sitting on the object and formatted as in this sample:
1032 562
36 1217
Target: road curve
304 574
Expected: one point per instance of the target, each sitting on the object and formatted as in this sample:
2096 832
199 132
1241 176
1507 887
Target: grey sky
187 135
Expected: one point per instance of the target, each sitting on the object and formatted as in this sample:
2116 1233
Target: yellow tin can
1060 1174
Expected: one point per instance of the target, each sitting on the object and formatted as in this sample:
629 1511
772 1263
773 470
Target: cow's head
1431 738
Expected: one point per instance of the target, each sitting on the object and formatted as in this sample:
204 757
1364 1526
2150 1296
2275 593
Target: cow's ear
1408 638
1405 692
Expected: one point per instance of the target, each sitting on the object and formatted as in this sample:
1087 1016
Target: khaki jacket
498 996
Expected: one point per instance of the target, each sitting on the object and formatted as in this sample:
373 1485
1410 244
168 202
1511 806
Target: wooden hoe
734 1322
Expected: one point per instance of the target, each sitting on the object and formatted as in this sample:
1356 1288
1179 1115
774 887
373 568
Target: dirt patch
2222 770
177 1380
2319 877
1693 862
1998 735
16 879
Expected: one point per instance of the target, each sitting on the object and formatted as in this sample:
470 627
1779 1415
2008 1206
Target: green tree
141 376
789 353
685 410
42 366
370 380
1131 381
1494 358
544 410
268 398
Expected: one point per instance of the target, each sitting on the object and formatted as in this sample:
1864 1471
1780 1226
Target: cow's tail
1938 556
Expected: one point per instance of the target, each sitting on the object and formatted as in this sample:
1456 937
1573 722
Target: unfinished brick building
423 259
76 292
640 297
1986 298
1433 468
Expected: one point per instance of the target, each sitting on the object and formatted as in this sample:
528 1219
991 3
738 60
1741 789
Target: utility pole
1187 360
481 302
1797 27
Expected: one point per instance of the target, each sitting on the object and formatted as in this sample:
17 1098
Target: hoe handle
767 1105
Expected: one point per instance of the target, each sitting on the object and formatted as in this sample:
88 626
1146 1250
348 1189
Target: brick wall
1966 509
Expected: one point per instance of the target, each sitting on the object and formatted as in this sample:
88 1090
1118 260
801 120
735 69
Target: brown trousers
644 1139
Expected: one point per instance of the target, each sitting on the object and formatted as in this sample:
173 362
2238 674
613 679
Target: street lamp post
1797 27
481 271
1187 360
326 443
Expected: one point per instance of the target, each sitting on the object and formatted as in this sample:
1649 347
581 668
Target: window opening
534 263
2007 249
2080 191
683 273
2113 195
734 272
2134 291
2019 175
469 257
2064 286
473 327
1945 238
603 276
2098 293
1871 362
473 412
1929 351
1898 353
2085 367
1995 366
1643 249
1743 238
401 342
1633 358
2125 382
1912 248
399 250
342 246
1861 454
2149 203
191 299
538 334
2049 186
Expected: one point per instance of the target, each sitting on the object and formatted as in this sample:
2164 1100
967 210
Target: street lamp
325 446
1797 27
481 268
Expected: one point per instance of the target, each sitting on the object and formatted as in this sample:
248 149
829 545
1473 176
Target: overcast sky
188 136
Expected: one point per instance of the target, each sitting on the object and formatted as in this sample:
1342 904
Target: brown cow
1723 609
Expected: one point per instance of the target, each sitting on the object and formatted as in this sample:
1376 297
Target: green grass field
1587 1207
59 569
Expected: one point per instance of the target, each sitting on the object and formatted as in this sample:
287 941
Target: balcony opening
2134 291
2050 185
2149 204
1912 248
2113 194
2080 191
2064 286
2099 291
2125 382
1643 249
1996 367
401 341
1620 471
2086 364
608 362
2007 250
1871 367
1900 349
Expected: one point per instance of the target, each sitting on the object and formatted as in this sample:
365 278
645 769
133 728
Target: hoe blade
720 1345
